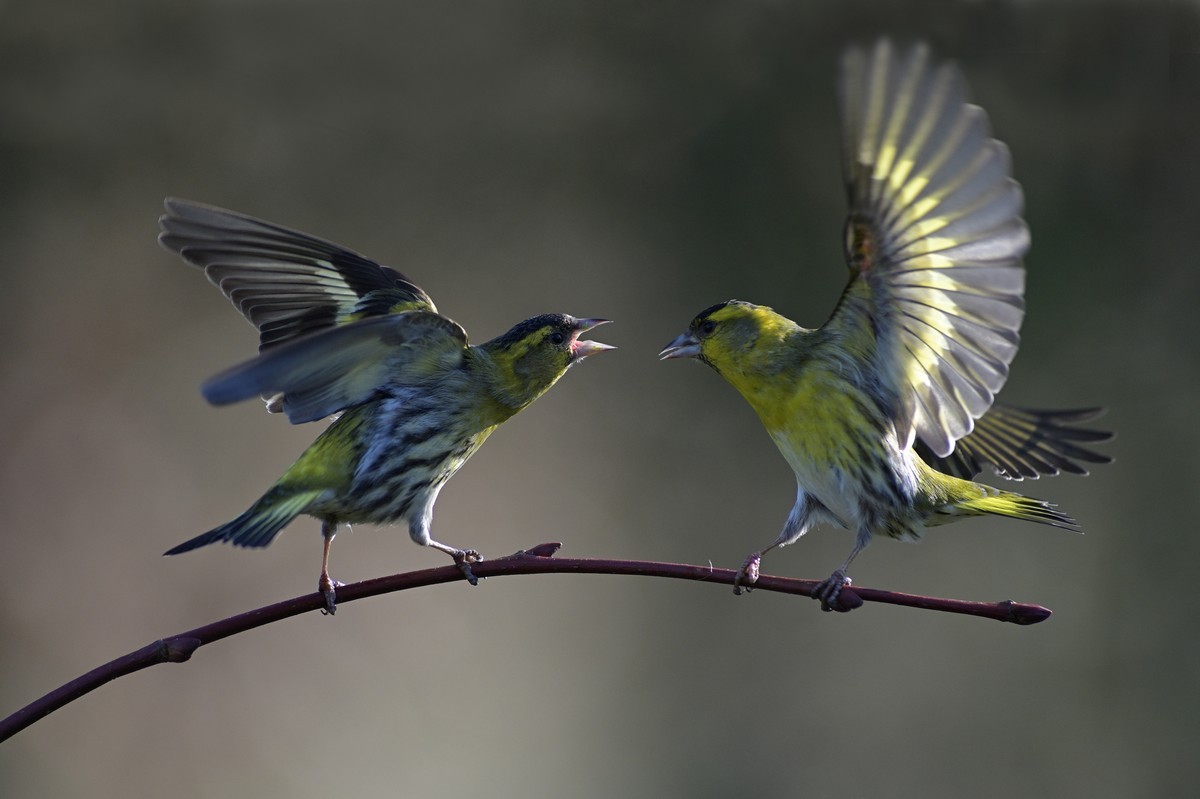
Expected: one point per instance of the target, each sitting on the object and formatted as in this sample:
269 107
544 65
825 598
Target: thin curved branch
539 560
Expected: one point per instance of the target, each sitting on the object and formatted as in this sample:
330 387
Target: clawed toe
328 589
747 576
829 592
463 559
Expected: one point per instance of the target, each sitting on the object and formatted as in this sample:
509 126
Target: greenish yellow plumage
900 381
343 336
329 461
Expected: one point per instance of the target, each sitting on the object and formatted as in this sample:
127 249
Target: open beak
582 349
683 346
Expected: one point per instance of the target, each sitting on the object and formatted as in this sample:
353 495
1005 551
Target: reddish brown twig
539 560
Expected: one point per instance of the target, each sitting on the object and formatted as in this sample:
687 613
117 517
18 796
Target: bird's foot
747 576
328 589
463 558
830 593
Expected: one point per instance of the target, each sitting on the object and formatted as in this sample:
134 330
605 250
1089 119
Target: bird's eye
708 327
557 338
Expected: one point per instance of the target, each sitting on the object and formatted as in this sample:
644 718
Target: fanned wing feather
288 284
1023 444
934 242
345 366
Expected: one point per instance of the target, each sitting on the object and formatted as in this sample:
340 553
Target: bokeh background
635 160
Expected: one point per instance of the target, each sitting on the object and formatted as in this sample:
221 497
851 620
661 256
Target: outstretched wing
934 242
1019 443
286 283
345 366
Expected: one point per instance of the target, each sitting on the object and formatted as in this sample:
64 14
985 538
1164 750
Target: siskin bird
885 413
342 336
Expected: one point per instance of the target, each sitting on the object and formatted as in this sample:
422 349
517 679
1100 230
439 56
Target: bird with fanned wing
342 336
886 412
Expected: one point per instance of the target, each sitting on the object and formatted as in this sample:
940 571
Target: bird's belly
404 481
410 447
853 467
834 487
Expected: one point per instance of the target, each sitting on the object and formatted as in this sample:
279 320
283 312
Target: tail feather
257 527
1018 506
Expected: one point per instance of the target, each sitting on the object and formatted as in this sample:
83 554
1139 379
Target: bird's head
537 352
729 336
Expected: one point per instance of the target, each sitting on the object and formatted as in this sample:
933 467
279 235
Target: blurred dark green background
634 160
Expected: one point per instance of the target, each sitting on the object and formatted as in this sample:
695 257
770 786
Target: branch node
540 551
179 649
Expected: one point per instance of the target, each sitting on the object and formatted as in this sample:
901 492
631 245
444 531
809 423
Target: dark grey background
633 160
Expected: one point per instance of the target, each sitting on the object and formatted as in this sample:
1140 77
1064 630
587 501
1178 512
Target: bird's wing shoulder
286 283
345 366
934 242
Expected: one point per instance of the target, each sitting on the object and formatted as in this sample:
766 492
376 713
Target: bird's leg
418 530
327 586
796 525
830 589
463 558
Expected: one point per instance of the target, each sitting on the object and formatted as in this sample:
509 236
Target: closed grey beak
683 346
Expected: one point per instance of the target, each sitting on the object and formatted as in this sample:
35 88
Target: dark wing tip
1024 444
